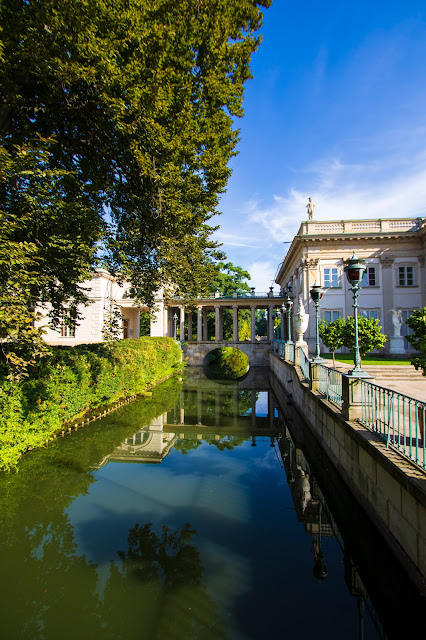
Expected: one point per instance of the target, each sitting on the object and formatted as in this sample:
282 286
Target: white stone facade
393 251
105 295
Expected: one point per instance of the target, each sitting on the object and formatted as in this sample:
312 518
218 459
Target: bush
73 380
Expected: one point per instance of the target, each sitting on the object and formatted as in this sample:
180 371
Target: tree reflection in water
227 363
157 586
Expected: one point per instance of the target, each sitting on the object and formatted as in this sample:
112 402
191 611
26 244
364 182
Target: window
369 278
66 327
331 277
331 315
369 313
406 276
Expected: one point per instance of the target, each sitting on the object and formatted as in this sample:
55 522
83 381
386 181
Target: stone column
235 325
166 322
217 322
190 326
253 324
205 328
270 322
387 282
138 324
200 323
422 279
182 324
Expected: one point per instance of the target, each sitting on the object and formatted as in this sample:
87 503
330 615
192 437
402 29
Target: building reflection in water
313 512
247 415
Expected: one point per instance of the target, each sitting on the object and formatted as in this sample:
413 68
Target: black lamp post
289 306
316 294
175 325
282 321
354 270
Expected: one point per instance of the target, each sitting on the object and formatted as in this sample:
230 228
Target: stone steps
391 372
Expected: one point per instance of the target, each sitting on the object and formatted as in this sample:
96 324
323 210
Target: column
205 328
190 326
387 282
138 324
166 322
253 324
200 323
235 325
182 324
217 322
270 322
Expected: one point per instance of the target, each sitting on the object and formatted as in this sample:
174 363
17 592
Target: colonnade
176 317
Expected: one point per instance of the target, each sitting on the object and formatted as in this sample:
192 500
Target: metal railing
278 347
330 384
398 419
304 363
291 352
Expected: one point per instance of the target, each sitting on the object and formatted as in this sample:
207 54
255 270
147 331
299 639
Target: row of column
218 321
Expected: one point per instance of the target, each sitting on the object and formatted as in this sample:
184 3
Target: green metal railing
291 352
278 347
330 384
398 419
304 363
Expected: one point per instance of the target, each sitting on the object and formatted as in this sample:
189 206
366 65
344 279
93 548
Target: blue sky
336 110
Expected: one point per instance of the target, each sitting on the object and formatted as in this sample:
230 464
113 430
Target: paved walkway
414 386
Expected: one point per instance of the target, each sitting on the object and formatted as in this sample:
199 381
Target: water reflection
206 545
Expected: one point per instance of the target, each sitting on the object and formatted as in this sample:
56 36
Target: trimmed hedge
74 380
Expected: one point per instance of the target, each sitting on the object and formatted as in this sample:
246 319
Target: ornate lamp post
354 270
289 306
175 318
316 294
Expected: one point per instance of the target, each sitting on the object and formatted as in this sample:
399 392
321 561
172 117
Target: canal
202 512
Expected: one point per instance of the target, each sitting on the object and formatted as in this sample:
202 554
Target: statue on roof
310 207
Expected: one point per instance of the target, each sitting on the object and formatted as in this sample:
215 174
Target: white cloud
345 192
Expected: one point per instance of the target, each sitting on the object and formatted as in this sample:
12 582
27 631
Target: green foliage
71 381
341 333
417 322
145 324
370 334
117 126
229 279
227 363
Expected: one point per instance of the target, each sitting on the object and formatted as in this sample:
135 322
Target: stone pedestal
397 345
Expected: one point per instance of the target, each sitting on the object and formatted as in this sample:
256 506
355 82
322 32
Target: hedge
74 380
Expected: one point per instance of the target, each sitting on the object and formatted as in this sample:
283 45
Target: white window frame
331 268
331 311
405 266
368 310
365 282
66 330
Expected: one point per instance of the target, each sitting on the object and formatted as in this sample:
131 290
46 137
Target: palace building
394 283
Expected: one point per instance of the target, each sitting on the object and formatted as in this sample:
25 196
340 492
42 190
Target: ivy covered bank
72 381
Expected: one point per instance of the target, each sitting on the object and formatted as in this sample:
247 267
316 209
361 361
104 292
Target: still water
191 514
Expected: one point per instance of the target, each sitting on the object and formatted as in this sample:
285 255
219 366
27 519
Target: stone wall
391 489
257 352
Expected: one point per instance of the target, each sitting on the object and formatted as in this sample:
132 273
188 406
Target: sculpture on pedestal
300 323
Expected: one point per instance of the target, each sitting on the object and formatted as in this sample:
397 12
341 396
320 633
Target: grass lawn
347 358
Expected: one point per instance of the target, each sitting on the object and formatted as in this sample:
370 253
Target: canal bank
390 489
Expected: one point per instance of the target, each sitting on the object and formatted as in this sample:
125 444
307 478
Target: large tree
116 128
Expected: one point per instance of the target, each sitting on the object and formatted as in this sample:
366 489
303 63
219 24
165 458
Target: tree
116 128
229 279
331 333
417 322
341 333
370 336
